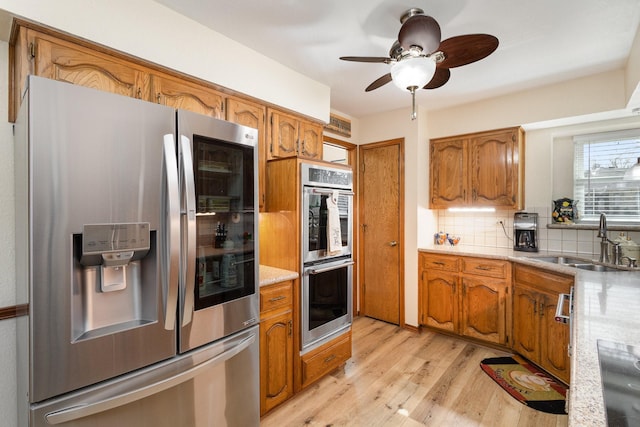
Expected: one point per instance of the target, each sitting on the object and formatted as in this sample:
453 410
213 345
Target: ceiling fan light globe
412 72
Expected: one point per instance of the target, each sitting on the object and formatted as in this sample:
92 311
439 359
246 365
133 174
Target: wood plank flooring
401 378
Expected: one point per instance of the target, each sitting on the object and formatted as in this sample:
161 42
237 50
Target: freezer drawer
217 385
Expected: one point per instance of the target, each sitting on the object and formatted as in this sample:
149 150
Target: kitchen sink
595 267
560 260
579 263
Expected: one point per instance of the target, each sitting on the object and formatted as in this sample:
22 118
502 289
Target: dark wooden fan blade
420 30
379 82
440 77
366 59
463 50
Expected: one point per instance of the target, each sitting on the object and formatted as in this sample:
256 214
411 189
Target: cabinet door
60 60
554 339
440 300
448 176
283 135
276 361
253 115
494 169
526 323
179 94
484 309
310 141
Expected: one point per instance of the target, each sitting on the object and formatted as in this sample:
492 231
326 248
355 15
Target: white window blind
600 163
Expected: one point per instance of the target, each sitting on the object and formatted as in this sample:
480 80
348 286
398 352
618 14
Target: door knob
393 243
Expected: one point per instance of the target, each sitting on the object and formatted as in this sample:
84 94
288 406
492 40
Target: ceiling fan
420 60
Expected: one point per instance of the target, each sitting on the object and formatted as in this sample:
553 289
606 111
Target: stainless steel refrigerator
137 254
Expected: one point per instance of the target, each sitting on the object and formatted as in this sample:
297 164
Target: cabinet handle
290 327
330 358
440 263
139 94
32 50
158 98
541 309
278 298
483 267
535 308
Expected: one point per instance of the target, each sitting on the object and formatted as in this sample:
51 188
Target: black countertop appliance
525 232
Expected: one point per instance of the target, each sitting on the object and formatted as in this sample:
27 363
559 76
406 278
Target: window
600 185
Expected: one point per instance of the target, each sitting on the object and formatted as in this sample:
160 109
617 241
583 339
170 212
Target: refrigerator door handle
189 237
86 409
171 252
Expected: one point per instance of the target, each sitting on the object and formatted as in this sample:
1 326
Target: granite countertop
606 306
269 275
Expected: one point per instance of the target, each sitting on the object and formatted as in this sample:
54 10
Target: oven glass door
326 299
225 221
314 223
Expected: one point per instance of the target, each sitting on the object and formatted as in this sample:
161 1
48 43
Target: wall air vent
339 125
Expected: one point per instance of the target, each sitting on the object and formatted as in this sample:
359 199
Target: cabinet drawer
440 262
542 279
326 358
276 296
485 267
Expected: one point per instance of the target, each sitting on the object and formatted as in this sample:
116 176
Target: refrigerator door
217 385
219 274
90 249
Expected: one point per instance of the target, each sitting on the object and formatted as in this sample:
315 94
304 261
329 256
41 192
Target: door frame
401 202
352 160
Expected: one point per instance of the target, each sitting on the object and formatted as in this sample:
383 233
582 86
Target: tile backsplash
484 229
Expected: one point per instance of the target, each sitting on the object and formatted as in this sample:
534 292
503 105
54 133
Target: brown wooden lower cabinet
491 301
276 344
536 334
468 296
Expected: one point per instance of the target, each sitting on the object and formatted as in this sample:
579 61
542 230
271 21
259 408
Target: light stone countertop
269 275
605 306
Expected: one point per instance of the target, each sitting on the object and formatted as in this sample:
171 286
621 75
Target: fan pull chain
412 89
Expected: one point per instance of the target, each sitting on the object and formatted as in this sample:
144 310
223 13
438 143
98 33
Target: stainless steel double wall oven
327 275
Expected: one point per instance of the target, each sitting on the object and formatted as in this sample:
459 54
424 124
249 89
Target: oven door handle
335 267
330 192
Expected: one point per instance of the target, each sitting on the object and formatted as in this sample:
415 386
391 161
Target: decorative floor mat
527 383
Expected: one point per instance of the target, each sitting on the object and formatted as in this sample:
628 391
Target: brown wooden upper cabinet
291 136
478 170
252 114
180 94
46 56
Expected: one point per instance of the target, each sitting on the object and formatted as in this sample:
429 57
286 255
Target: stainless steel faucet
604 243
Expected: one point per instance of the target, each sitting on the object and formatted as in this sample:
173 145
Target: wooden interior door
381 230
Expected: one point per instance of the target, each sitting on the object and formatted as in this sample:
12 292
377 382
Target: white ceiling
541 42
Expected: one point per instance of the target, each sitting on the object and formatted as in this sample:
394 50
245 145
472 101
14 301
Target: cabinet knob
393 243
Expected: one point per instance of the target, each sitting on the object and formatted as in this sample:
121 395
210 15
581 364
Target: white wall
7 257
587 95
148 30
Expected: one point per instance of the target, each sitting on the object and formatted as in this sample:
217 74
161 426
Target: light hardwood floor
402 378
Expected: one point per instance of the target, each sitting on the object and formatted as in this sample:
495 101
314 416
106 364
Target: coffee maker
525 232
